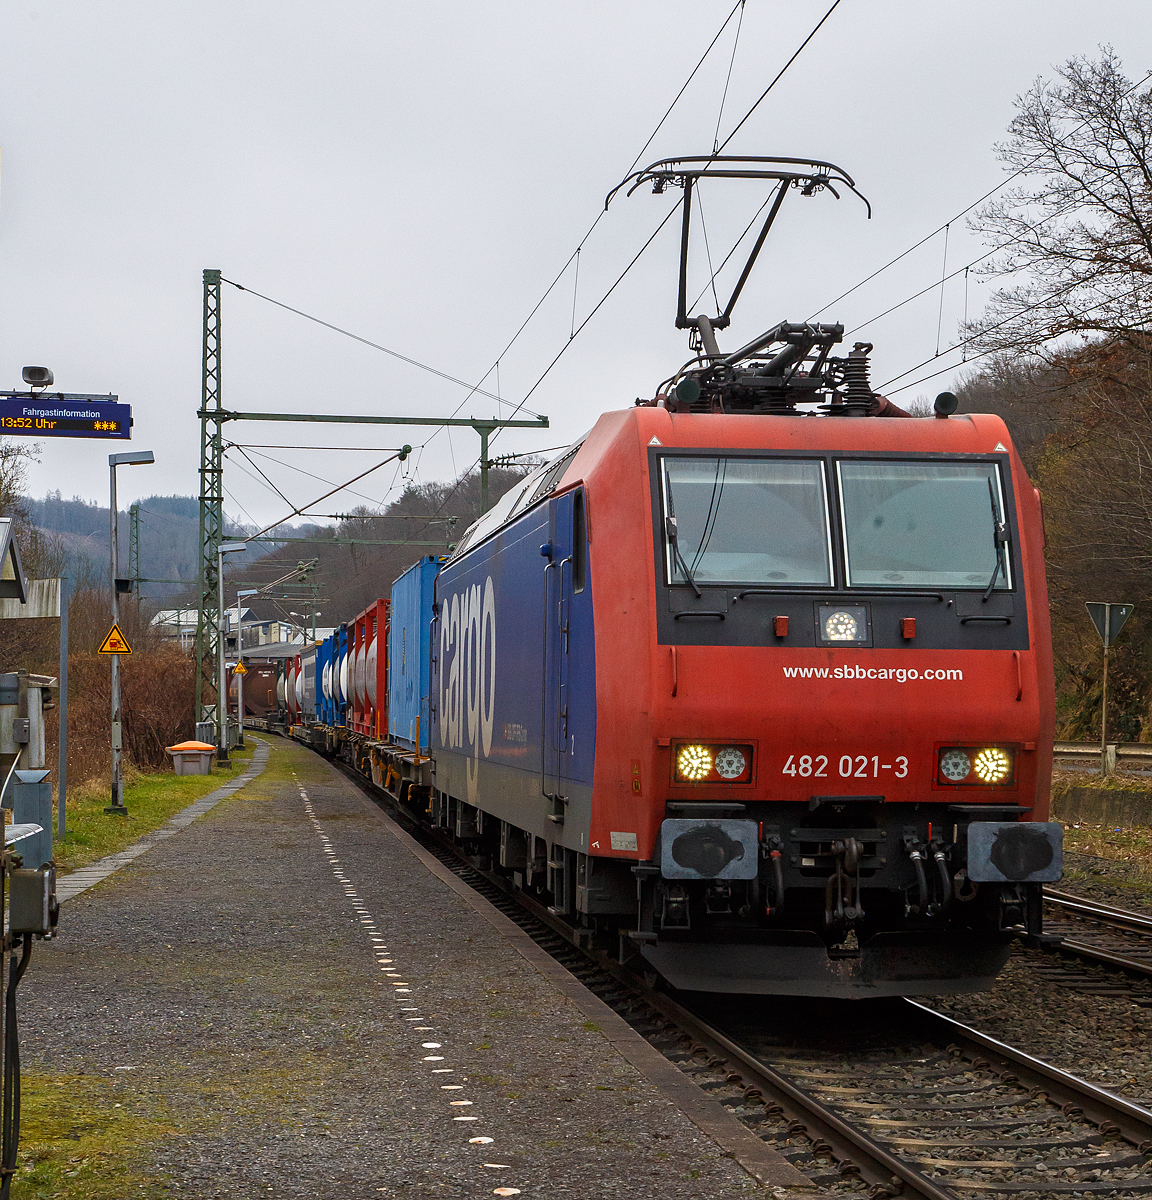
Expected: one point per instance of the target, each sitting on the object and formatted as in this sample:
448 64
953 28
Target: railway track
1104 951
874 1099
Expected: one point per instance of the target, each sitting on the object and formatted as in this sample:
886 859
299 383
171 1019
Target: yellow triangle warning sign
114 643
240 669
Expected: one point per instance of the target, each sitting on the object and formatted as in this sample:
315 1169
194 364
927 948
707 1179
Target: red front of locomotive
824 696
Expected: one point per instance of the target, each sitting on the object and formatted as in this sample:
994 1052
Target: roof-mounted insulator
859 399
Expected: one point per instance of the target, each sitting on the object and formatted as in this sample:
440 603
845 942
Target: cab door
557 649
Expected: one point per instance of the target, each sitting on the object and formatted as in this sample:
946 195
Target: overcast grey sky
418 173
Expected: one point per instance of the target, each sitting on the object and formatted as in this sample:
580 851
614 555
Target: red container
367 663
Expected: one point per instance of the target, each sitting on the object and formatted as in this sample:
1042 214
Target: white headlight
841 627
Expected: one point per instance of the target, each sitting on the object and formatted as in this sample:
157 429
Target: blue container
409 650
329 698
341 672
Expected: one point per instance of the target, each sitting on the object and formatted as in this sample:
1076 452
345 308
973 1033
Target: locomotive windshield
922 524
742 520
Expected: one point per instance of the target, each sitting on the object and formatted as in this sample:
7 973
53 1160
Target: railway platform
287 998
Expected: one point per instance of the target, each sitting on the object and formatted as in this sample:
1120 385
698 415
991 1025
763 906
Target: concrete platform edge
71 885
764 1164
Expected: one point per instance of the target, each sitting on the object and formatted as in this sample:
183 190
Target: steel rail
1106 916
1122 918
1110 1112
1106 957
848 1144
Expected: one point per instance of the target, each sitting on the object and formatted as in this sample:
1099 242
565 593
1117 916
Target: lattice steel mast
134 548
212 418
211 496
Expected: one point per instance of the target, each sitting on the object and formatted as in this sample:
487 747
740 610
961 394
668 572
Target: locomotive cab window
746 520
924 524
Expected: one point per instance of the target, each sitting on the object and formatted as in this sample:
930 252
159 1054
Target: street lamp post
135 459
304 626
222 693
239 660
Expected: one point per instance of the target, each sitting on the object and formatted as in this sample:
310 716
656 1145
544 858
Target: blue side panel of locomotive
513 679
409 654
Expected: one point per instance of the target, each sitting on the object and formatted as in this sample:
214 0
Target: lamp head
232 547
37 377
135 458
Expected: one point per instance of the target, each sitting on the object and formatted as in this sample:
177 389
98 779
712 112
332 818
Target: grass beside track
150 800
1131 846
84 1139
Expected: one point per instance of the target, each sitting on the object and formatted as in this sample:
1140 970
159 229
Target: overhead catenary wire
473 389
958 345
760 99
265 483
296 446
599 304
343 487
1136 291
312 475
962 213
958 271
574 256
779 75
727 81
257 469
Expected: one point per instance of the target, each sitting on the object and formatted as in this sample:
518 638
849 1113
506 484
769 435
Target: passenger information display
63 414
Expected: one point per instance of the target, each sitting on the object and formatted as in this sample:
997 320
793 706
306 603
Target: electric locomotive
756 677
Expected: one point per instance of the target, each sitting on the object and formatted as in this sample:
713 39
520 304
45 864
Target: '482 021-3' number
859 766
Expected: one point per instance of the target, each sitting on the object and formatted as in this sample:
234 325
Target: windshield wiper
674 540
999 541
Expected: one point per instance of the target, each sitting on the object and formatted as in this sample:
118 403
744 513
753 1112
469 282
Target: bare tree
1077 232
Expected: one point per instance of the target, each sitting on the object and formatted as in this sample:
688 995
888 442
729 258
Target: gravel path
317 1016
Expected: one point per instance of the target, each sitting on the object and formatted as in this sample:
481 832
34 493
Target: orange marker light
908 627
780 626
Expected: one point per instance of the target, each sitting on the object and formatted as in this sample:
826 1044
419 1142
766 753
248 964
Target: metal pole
222 695
211 492
239 678
117 805
62 712
483 432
